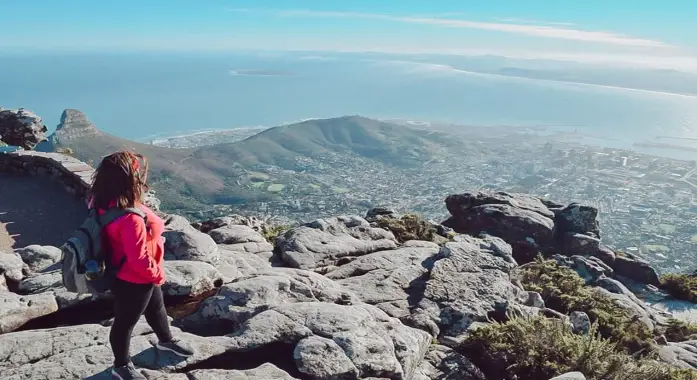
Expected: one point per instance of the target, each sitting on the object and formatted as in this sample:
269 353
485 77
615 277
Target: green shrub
408 227
271 231
564 290
680 286
679 331
539 348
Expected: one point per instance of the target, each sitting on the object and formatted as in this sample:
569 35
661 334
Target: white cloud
551 30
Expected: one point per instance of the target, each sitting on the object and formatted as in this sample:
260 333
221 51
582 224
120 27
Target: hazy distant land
262 72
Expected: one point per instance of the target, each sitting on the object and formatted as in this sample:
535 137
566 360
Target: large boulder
680 355
238 301
392 280
443 363
636 269
83 352
576 218
325 242
190 278
187 243
22 128
471 283
253 222
370 341
241 260
527 231
589 268
16 310
12 268
38 257
459 205
235 234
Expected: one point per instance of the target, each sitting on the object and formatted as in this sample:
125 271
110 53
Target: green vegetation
565 291
679 331
540 348
409 227
271 231
680 286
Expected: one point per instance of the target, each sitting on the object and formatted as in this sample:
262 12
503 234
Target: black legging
130 302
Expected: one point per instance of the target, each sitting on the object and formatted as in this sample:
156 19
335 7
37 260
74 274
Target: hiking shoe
177 346
127 372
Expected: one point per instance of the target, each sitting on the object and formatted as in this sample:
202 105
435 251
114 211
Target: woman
120 181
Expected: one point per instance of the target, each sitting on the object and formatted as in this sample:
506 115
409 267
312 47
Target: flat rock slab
470 282
264 372
190 278
390 279
363 336
16 310
238 301
459 204
235 234
326 241
83 351
39 257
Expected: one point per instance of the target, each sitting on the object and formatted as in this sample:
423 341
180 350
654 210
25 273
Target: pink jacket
144 249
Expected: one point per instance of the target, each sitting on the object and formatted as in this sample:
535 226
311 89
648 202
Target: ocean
149 95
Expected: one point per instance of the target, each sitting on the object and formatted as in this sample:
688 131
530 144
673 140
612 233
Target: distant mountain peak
74 124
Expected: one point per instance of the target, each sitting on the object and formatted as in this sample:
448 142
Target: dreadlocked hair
121 179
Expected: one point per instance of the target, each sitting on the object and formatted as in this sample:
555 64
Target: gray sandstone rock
38 257
188 243
578 218
241 260
83 351
190 278
326 241
22 128
378 346
589 268
570 376
388 279
266 371
535 300
581 322
238 301
323 359
41 282
636 269
235 234
460 204
250 221
443 363
11 267
468 284
680 355
16 310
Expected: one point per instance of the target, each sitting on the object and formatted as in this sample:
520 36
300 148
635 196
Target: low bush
271 231
564 290
680 286
539 348
408 227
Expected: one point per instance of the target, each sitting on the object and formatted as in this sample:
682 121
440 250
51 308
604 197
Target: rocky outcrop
392 280
16 310
469 284
326 242
636 269
236 302
73 124
39 257
183 242
22 128
680 355
443 363
190 278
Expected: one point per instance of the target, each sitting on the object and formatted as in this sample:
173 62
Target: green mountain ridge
221 173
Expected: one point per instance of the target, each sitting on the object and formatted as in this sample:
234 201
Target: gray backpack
86 245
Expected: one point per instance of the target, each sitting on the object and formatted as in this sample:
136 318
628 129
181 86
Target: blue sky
633 32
